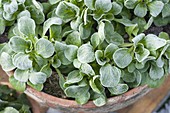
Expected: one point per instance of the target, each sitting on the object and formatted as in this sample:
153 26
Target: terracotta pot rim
49 99
52 101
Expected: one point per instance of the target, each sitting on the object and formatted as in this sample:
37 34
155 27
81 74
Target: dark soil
156 30
52 86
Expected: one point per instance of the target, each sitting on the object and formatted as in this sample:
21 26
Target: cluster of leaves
84 41
10 102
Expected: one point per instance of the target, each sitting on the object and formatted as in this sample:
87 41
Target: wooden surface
150 101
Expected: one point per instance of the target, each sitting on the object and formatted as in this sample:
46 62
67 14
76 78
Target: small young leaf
122 57
45 48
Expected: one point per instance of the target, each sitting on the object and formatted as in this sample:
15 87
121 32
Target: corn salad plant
95 46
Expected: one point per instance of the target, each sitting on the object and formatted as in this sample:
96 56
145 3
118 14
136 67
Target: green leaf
74 77
155 72
165 11
52 2
138 38
119 89
152 42
73 39
70 52
82 99
37 77
155 8
6 62
96 85
51 21
141 53
21 75
26 26
128 77
22 61
140 10
122 57
87 69
10 110
100 101
11 7
36 14
104 6
76 63
24 13
56 62
138 80
130 4
150 82
90 4
95 41
18 44
114 38
85 53
109 76
110 49
159 61
37 87
85 30
47 70
116 8
20 86
2 26
67 11
76 91
76 23
100 57
45 48
63 58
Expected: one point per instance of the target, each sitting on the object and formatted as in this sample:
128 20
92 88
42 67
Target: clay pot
46 101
